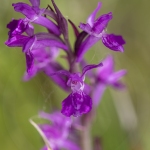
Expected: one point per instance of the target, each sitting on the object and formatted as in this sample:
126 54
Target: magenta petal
30 30
17 41
113 42
85 27
49 43
89 67
92 17
107 69
63 72
76 104
16 27
67 107
49 131
98 93
30 74
25 9
29 62
85 46
48 24
58 79
116 76
57 118
35 3
107 76
100 24
82 103
29 45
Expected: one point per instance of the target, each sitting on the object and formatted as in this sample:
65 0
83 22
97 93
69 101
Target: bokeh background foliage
122 121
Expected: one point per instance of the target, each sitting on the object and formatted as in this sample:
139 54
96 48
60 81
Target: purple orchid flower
78 102
96 31
56 134
34 14
107 77
30 41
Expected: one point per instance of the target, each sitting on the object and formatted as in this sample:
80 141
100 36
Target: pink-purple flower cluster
42 49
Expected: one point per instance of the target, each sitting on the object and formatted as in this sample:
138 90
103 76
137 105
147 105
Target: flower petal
29 62
67 107
116 76
85 27
16 27
107 69
100 24
107 76
35 2
58 79
29 29
27 76
76 104
89 67
85 46
57 118
25 9
48 24
92 16
113 42
82 103
98 93
48 40
17 41
29 45
63 72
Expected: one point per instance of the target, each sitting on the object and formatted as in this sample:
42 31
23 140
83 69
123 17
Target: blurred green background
122 120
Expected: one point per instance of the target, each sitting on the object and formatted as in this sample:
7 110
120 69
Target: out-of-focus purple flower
107 77
96 31
78 102
56 135
34 14
44 60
